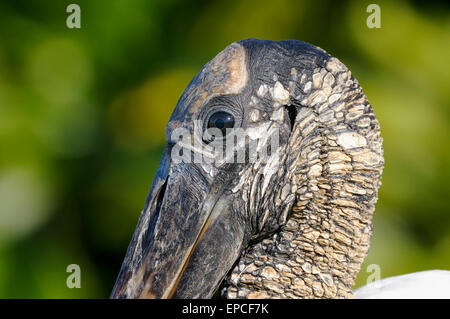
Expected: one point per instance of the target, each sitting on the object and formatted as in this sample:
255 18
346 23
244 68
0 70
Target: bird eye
222 121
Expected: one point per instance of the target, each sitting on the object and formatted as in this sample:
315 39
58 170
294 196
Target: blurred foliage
83 111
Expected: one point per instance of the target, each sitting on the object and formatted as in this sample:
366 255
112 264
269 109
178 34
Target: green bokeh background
83 112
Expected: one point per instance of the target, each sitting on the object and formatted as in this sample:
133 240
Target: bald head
264 130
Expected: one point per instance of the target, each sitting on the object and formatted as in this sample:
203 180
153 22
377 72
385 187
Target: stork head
254 127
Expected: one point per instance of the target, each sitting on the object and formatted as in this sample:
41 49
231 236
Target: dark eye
222 121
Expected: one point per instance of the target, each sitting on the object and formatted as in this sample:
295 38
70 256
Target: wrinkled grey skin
199 217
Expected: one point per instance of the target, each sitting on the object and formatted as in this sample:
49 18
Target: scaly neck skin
318 252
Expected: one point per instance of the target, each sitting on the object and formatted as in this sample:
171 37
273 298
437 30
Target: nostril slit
147 236
161 196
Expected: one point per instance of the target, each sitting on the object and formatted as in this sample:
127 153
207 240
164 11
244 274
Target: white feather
419 285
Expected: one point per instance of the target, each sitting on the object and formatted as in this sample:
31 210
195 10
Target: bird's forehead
252 66
225 74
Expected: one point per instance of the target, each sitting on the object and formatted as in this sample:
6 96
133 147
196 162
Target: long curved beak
186 240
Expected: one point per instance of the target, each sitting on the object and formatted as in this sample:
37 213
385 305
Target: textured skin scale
335 177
